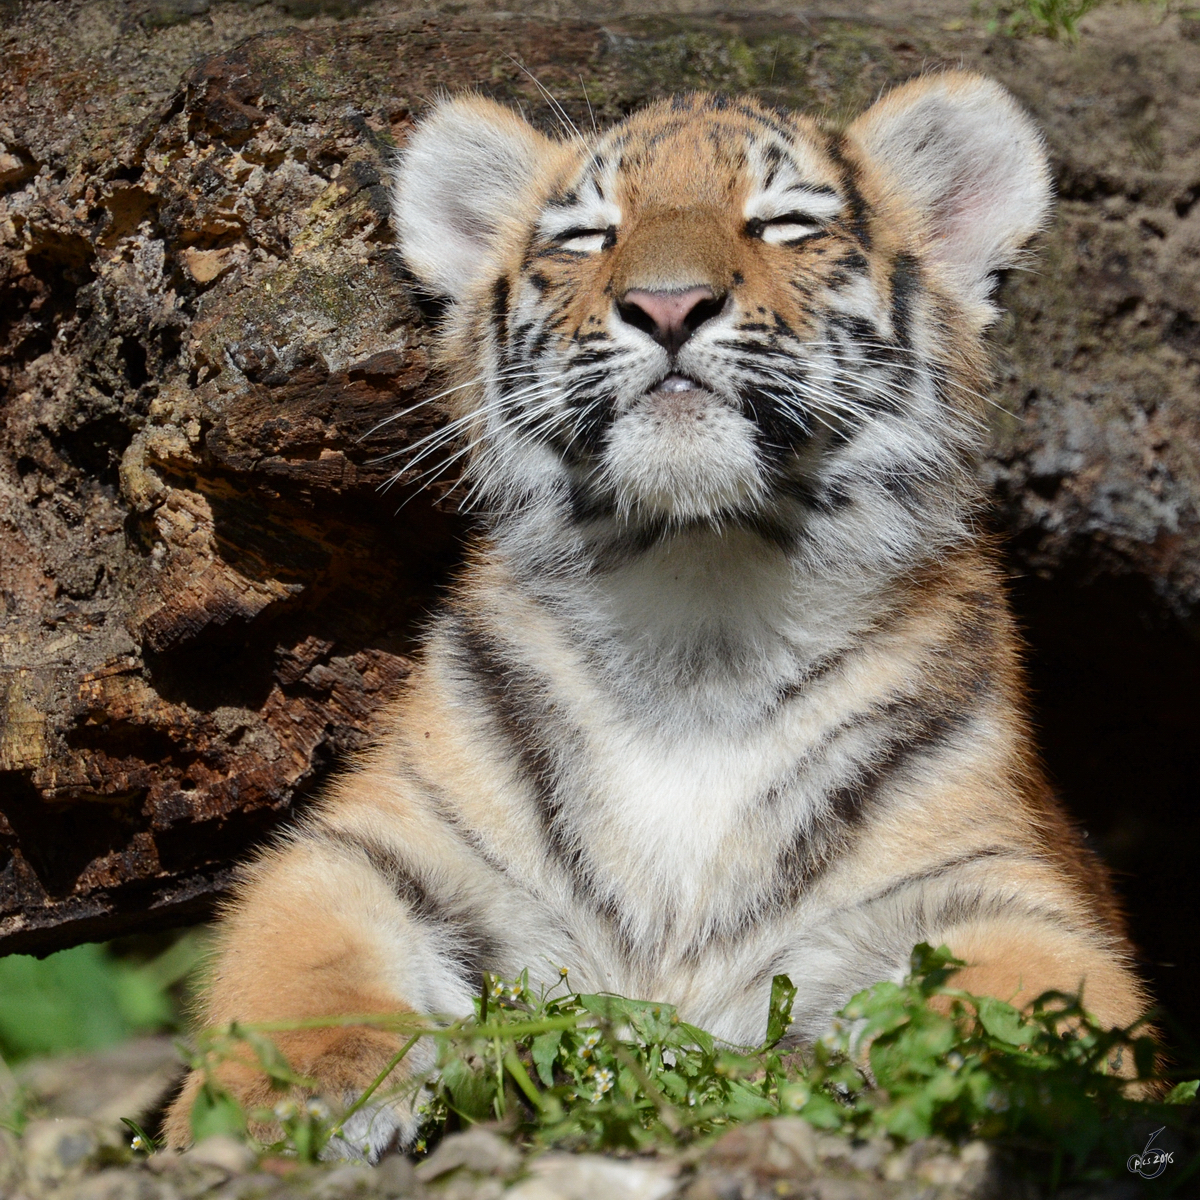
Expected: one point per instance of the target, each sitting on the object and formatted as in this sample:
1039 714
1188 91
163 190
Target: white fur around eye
778 232
587 242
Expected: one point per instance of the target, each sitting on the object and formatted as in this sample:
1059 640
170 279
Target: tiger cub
729 686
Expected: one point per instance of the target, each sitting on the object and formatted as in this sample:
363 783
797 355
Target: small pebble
479 1150
224 1152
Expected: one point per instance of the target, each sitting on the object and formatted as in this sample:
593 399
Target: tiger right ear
970 164
462 180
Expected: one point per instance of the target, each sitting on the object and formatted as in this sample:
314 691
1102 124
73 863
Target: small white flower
315 1108
285 1110
604 1082
138 1143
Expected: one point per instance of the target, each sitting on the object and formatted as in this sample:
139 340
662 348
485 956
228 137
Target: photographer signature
1152 1162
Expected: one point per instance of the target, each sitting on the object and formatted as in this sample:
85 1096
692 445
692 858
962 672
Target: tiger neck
705 624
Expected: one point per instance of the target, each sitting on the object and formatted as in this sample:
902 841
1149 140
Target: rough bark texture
205 592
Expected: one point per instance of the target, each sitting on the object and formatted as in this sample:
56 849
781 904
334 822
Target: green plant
1059 18
591 1071
1051 1082
88 997
1048 18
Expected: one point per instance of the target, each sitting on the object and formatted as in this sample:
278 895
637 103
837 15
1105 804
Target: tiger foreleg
316 936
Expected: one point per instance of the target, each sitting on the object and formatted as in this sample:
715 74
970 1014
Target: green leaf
544 1050
736 1066
745 1104
270 1058
673 1084
149 1145
824 1112
692 1035
655 1024
779 1014
1003 1022
909 1117
64 1002
1183 1093
216 1113
470 1092
930 968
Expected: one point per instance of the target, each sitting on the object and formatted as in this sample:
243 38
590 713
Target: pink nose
670 318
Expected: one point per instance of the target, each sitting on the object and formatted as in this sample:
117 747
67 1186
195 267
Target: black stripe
627 542
536 348
437 800
769 120
920 726
469 947
773 153
586 506
778 431
945 868
901 486
593 417
842 271
906 282
511 694
500 317
594 355
978 904
859 210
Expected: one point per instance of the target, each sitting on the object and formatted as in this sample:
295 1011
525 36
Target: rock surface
207 592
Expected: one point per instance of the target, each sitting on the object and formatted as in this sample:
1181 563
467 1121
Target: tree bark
211 368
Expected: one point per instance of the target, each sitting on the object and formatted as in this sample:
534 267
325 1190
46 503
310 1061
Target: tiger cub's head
716 313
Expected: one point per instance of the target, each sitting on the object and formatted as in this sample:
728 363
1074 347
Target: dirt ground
76 1148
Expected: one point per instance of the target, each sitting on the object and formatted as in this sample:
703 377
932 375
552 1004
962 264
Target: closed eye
785 229
587 241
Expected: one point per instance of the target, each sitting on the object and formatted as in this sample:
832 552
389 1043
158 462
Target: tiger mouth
676 385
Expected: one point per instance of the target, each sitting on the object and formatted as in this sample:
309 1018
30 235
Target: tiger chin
729 686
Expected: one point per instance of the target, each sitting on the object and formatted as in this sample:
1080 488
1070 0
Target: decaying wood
207 591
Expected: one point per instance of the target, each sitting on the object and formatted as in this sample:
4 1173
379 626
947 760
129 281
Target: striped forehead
702 150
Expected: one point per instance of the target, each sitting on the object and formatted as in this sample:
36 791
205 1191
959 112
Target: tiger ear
461 181
959 150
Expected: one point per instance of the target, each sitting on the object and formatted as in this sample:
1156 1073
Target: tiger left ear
463 179
958 149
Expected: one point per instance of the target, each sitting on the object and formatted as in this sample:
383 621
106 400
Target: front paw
373 1131
299 1093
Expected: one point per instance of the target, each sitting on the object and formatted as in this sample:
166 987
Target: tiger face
717 314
